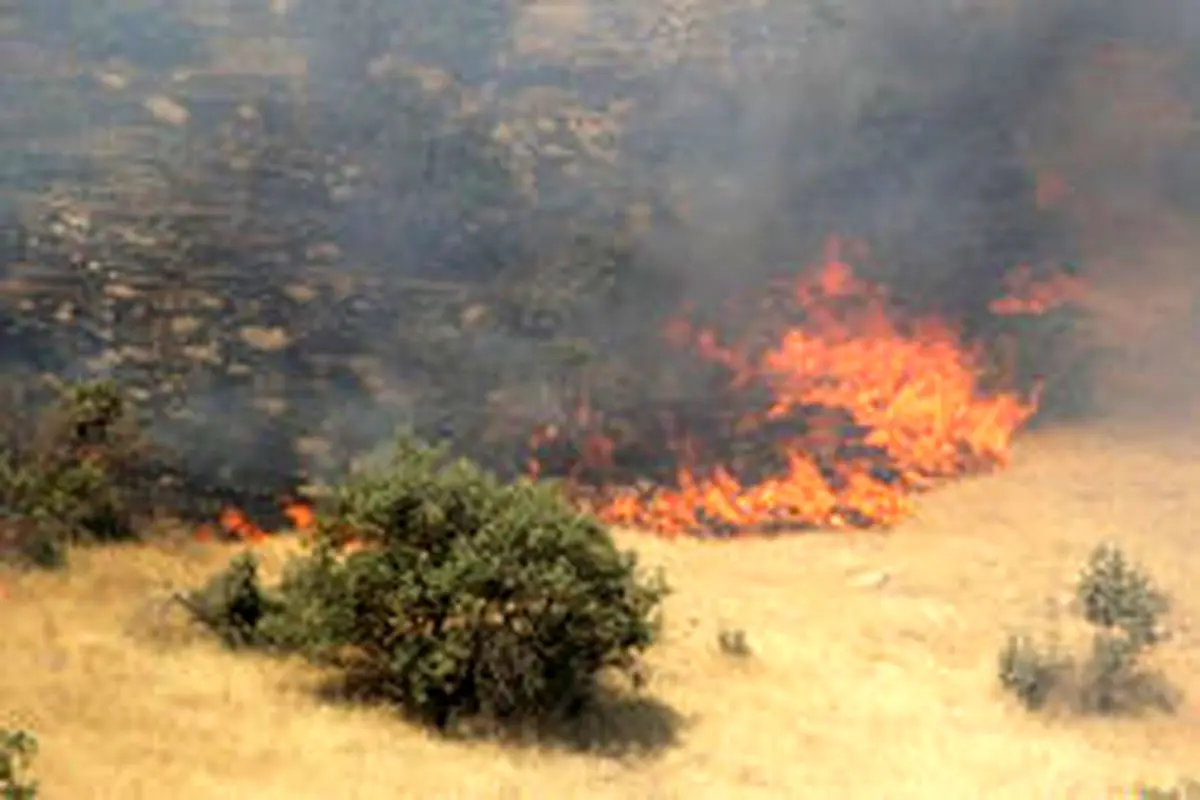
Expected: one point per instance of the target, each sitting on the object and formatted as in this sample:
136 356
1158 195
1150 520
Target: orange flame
911 392
233 523
301 515
237 525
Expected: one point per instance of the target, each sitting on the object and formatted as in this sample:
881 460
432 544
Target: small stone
184 326
164 109
137 354
205 354
299 293
267 339
112 80
120 291
271 405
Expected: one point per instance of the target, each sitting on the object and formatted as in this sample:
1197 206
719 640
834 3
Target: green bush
1126 611
1185 790
1117 597
17 750
61 474
1031 672
233 605
464 597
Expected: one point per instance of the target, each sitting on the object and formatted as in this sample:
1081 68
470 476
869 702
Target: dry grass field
872 672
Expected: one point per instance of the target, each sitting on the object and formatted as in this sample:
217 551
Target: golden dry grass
872 675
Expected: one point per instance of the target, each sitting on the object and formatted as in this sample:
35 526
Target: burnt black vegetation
434 224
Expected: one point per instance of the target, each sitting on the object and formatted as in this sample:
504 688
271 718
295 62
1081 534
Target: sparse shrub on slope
437 586
17 750
233 604
1126 611
1185 790
1032 672
61 474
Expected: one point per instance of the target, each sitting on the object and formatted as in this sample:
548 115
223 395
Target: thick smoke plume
573 172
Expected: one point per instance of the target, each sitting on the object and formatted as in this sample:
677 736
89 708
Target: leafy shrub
1116 596
233 604
17 749
1126 611
1031 672
464 597
1185 790
1118 599
61 474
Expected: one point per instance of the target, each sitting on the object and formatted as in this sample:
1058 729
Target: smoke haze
713 146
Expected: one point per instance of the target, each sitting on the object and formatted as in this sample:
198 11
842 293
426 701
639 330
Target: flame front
881 409
867 406
235 525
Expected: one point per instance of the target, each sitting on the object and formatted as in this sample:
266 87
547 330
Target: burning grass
415 252
862 406
852 407
835 411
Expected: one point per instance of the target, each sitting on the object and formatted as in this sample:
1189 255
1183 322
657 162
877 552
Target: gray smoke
744 134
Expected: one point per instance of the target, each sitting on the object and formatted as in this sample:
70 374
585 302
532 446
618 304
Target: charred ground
287 234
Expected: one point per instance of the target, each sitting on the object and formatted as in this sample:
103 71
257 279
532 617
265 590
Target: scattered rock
205 354
120 291
271 405
473 315
299 293
164 109
112 80
267 339
185 325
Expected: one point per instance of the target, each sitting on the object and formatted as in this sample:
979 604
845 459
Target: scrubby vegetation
436 586
433 585
17 750
1126 612
64 474
1185 790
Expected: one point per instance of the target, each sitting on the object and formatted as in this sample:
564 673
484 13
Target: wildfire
234 524
871 410
867 406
